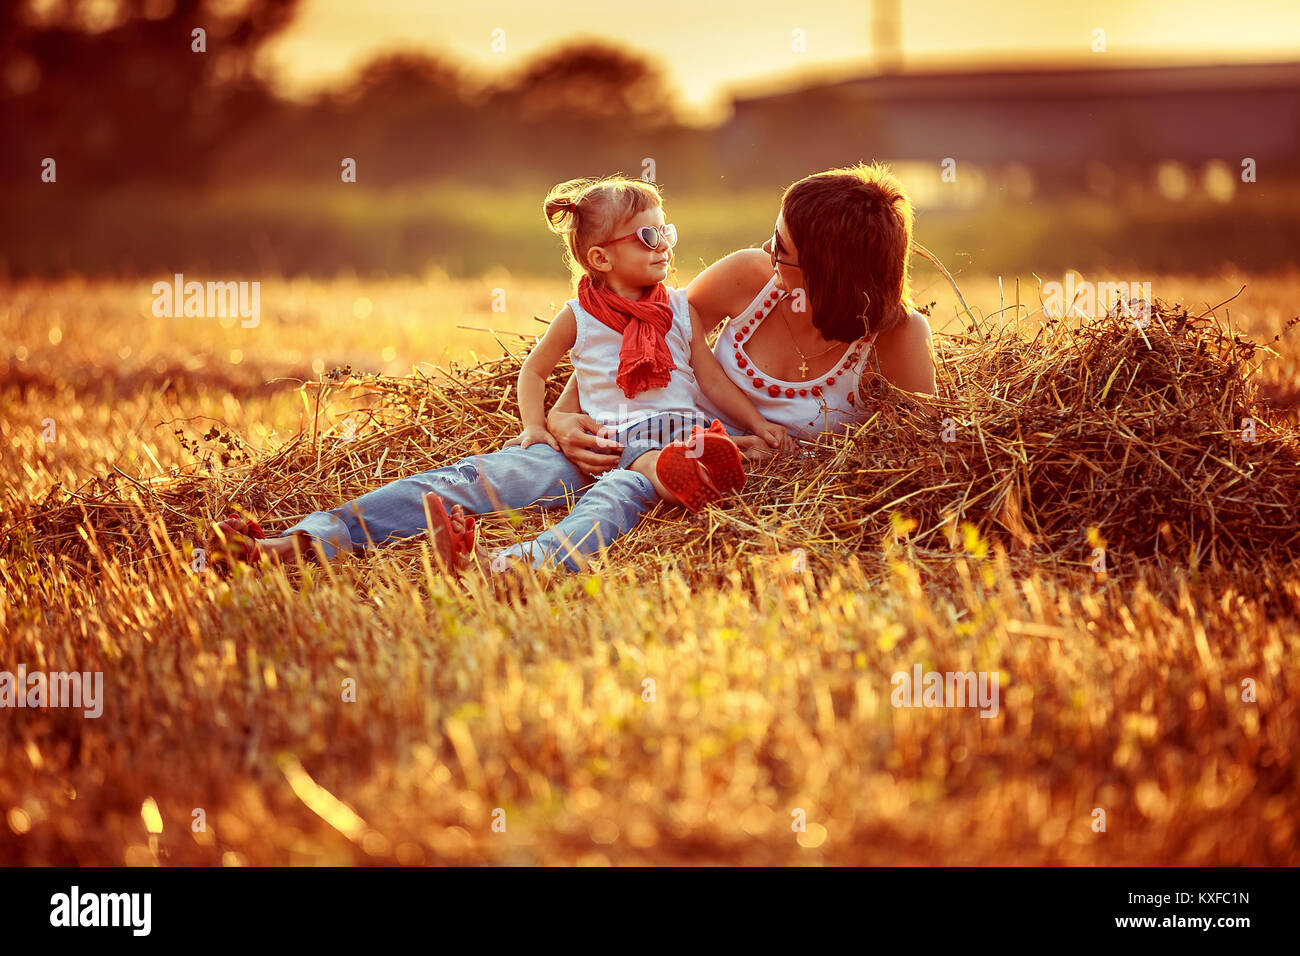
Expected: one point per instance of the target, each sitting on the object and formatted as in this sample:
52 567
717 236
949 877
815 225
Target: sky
708 47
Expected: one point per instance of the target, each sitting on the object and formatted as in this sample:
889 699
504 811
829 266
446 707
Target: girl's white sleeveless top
803 414
595 360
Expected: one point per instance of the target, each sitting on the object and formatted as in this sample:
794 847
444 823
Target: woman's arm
568 400
751 446
729 285
581 437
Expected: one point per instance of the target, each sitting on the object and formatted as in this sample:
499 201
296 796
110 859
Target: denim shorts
660 431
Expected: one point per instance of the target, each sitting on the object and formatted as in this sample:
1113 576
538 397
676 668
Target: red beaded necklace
769 303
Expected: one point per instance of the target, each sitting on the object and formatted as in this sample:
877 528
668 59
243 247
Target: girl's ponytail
562 206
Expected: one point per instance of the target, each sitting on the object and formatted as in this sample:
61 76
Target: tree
119 93
592 82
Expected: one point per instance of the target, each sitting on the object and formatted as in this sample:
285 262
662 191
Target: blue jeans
511 478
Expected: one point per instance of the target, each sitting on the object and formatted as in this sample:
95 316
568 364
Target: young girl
642 362
636 345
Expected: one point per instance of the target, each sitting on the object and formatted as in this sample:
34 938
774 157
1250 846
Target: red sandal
457 544
703 468
224 532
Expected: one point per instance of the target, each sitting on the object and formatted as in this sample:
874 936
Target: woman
812 316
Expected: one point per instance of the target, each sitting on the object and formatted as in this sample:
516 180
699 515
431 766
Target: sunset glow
707 48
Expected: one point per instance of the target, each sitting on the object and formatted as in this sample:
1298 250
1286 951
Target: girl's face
785 257
629 263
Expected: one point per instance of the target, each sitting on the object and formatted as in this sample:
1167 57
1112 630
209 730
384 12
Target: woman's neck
801 324
807 336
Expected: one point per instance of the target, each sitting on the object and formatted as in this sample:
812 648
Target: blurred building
1060 124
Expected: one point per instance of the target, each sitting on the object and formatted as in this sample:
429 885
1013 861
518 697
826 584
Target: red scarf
644 361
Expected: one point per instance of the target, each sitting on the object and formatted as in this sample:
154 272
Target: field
322 231
523 731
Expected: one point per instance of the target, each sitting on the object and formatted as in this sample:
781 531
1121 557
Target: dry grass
1077 436
1120 691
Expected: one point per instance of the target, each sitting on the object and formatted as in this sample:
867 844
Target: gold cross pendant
803 369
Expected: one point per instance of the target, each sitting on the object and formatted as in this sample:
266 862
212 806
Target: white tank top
595 360
805 408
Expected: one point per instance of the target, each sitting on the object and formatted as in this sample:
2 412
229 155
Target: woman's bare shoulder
906 358
916 327
728 285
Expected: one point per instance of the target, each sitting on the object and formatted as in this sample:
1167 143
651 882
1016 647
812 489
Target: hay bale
1148 442
1085 435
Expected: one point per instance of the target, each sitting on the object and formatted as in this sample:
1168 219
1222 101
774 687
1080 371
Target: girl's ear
598 259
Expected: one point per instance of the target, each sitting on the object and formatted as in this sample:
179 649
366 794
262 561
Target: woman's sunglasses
651 236
777 249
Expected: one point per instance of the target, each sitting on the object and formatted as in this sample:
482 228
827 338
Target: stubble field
376 712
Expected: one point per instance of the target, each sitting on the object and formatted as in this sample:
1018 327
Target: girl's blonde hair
584 213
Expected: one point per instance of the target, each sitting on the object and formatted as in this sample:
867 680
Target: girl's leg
697 470
644 441
513 477
609 508
613 505
645 466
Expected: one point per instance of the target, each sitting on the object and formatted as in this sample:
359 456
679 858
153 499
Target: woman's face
785 257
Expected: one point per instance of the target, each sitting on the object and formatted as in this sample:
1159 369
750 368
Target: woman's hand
582 441
533 435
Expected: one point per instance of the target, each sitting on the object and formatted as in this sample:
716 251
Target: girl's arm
566 428
725 394
541 361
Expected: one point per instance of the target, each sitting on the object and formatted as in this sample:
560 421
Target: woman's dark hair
852 228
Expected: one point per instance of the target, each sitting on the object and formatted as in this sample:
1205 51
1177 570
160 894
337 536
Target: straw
1046 439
